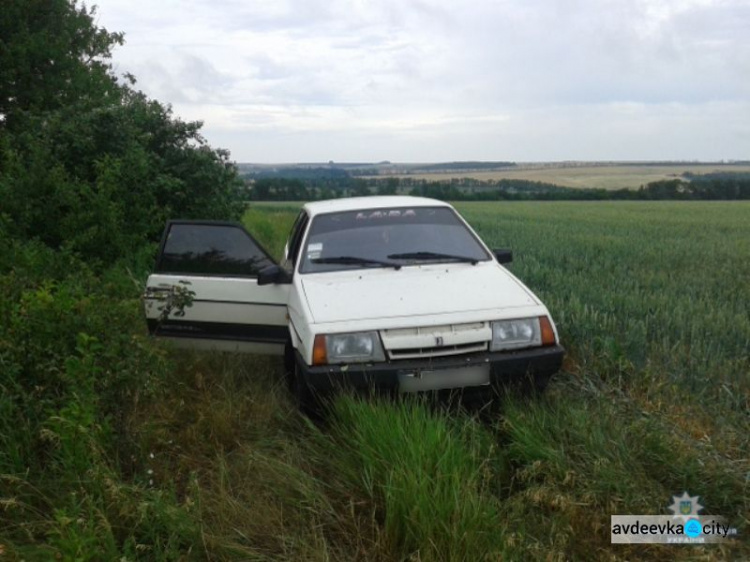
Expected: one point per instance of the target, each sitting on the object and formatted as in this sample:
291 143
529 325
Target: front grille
436 341
418 352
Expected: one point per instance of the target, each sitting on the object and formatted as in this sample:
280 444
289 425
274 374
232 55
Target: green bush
102 182
75 364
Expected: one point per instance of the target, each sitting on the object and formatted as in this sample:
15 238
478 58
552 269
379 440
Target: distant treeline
301 173
464 166
715 186
335 171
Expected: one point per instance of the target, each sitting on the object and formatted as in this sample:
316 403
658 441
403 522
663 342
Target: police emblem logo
685 506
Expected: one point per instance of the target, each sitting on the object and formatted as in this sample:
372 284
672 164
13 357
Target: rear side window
211 249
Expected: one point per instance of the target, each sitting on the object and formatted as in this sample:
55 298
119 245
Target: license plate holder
439 379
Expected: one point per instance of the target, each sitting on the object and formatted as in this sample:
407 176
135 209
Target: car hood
412 291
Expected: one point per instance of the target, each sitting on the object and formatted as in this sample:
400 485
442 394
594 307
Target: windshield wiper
432 256
354 260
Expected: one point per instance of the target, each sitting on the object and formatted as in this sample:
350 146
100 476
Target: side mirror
503 256
273 275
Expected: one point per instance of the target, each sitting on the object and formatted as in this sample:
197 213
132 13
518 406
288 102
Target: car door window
211 249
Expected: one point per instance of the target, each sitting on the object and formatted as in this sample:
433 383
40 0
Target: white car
395 294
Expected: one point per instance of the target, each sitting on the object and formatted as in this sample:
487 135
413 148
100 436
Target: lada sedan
392 294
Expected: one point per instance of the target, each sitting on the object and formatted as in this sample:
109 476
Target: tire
540 383
289 366
303 395
532 386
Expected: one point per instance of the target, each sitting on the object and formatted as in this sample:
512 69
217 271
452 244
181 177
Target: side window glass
209 249
297 234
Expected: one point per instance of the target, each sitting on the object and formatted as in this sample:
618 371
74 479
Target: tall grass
575 463
428 475
138 452
241 454
653 400
270 225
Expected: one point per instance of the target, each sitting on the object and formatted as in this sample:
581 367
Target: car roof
374 202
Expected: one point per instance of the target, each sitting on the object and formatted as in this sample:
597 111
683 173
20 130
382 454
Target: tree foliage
52 55
90 169
88 163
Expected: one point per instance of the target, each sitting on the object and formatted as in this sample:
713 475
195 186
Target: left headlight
521 332
360 347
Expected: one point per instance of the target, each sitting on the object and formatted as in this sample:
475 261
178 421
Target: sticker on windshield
385 214
314 250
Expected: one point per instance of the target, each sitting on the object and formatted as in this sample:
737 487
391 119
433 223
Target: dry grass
586 176
233 447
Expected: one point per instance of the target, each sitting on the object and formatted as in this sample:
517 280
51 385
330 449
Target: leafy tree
52 55
88 164
390 187
360 188
103 182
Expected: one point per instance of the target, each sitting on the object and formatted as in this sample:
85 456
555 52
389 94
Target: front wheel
303 395
532 385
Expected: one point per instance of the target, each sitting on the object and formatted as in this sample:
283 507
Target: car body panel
412 291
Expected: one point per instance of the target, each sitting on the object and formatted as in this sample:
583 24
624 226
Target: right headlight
521 332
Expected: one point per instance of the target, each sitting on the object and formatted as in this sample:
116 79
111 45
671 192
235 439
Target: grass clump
427 474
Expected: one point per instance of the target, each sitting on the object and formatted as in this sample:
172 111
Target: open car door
204 293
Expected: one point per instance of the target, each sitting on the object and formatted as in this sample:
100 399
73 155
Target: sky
278 81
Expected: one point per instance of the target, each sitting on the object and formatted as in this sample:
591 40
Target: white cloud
301 80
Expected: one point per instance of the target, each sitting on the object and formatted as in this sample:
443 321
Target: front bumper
507 368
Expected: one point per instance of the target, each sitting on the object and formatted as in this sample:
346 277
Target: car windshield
391 237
